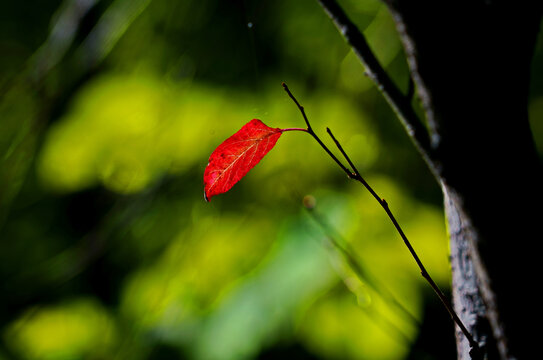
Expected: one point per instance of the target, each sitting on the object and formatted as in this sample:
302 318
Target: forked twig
355 175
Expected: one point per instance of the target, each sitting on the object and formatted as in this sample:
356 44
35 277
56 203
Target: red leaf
238 154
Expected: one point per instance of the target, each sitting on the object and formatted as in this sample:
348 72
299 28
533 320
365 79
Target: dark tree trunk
470 61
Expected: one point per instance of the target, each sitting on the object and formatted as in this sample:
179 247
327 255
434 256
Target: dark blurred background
109 111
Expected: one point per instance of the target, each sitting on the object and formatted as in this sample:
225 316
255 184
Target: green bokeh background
109 110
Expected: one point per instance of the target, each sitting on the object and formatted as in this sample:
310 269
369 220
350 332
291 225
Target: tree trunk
470 61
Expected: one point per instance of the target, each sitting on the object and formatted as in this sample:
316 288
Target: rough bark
468 299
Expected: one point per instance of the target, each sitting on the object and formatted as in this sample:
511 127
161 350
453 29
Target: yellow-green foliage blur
109 111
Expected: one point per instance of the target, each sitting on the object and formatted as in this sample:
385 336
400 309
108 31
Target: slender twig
423 270
355 175
356 265
310 131
400 103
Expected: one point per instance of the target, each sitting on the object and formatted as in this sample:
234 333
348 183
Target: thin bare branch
315 136
400 103
475 352
356 264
